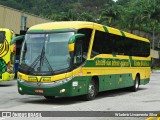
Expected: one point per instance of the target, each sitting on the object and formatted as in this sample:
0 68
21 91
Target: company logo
38 83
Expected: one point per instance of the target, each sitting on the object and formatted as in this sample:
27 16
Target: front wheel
136 84
92 90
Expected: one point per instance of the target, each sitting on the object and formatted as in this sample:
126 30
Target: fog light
62 91
20 88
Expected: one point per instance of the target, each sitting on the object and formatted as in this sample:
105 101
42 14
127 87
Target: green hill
142 15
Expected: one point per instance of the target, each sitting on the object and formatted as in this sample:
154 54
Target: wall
11 18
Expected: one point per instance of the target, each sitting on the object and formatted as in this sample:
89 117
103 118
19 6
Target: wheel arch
96 79
138 75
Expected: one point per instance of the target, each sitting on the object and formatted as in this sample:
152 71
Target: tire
136 84
50 97
92 92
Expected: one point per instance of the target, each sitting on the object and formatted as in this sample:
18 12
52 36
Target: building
18 21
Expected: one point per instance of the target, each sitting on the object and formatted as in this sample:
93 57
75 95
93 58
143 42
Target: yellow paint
71 47
91 44
81 24
62 25
117 70
114 31
144 72
135 37
5 54
32 78
153 118
119 57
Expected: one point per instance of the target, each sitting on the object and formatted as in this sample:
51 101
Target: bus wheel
92 90
136 84
50 97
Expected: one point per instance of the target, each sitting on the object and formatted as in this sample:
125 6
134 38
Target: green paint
105 29
3 67
106 82
131 61
53 30
122 33
48 90
144 81
55 90
74 37
16 38
113 62
115 81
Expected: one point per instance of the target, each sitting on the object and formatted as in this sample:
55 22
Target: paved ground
146 99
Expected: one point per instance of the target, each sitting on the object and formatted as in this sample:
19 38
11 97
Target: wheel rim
91 90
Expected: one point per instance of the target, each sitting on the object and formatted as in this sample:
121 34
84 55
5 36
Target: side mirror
14 39
72 40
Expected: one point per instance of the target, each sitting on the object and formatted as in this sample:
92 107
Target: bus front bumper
63 89
44 90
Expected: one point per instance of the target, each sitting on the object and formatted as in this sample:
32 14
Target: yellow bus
81 58
7 55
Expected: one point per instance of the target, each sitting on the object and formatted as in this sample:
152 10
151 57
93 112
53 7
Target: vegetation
124 14
128 15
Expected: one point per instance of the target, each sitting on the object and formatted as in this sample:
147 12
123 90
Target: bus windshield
46 52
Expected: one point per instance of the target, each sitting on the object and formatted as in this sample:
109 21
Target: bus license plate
40 91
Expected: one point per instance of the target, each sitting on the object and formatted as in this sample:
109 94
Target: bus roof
82 24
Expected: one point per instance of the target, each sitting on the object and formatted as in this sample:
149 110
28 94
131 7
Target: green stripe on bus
122 33
105 28
53 30
131 61
103 62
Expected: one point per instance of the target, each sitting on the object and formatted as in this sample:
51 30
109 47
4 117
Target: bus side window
99 44
85 41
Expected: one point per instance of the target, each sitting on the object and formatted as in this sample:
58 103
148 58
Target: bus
81 58
7 55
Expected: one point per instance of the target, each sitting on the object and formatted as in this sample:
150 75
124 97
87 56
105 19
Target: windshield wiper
41 58
33 65
44 59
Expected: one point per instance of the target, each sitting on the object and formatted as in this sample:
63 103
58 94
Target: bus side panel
109 82
116 81
79 85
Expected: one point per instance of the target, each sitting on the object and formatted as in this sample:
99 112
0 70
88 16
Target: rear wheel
50 97
136 84
92 90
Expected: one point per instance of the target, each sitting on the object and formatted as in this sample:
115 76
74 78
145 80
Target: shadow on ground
7 83
74 100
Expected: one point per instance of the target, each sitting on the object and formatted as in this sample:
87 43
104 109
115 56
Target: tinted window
106 43
2 36
85 41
